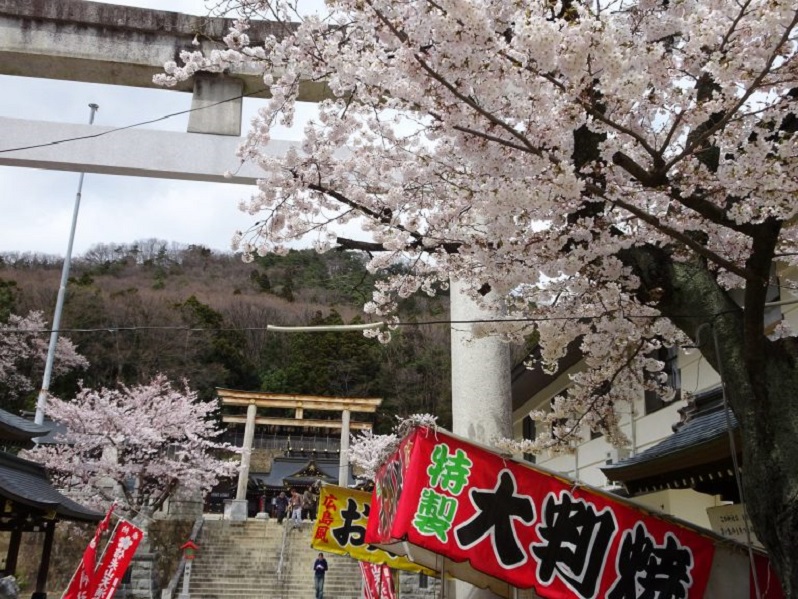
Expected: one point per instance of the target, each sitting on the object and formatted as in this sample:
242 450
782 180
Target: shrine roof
299 471
698 449
26 483
17 429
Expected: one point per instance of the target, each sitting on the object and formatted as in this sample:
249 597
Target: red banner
79 585
117 556
377 581
528 527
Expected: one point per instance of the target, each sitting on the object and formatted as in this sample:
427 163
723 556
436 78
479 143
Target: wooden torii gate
299 403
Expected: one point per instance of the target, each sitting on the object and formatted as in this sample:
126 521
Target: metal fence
287 443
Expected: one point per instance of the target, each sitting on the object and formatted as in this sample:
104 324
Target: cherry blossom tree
613 169
137 445
23 350
367 451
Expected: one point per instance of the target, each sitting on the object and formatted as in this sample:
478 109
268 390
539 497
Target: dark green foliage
416 376
343 364
260 280
8 297
219 358
192 314
342 275
85 280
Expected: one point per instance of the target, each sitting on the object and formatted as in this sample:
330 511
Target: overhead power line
133 126
313 329
361 327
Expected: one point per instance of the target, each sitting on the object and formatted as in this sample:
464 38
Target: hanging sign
340 528
502 520
118 554
377 581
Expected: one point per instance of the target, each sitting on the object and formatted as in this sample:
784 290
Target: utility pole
41 402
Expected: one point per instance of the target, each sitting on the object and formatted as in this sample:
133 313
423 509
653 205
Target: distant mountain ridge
155 306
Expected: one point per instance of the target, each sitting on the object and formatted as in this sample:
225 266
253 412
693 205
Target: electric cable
133 126
302 328
355 327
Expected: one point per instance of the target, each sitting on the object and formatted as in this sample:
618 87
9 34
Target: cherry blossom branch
704 137
490 117
681 237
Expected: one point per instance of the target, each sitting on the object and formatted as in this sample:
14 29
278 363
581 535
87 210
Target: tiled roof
26 482
700 429
288 469
15 428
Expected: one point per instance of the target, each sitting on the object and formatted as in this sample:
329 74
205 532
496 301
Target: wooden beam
44 565
332 424
222 392
260 395
13 551
360 405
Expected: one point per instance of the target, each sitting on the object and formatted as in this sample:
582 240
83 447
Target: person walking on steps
296 507
307 505
280 506
319 569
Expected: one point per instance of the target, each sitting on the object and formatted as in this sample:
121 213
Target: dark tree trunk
770 457
761 383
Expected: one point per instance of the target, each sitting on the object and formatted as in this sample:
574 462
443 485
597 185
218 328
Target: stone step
241 561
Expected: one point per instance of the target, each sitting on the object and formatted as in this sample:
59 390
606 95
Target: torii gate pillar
239 508
343 463
481 389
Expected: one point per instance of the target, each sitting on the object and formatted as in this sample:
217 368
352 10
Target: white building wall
645 430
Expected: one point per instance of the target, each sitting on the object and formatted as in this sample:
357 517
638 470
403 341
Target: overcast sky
36 205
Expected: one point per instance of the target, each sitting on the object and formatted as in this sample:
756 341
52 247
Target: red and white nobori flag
117 556
377 581
81 581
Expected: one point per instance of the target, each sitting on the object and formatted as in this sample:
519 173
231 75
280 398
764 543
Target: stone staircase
241 559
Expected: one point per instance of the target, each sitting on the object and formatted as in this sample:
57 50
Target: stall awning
497 523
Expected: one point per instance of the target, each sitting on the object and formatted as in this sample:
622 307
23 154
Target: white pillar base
236 510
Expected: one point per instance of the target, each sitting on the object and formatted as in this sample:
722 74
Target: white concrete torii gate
102 43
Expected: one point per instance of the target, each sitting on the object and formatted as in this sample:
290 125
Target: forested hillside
136 310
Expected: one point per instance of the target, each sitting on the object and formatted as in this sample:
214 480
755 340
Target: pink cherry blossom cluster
23 346
139 445
527 146
367 451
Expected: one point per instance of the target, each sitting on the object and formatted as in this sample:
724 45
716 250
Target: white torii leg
238 507
481 391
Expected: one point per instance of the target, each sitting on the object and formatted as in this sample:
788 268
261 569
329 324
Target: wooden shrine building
28 502
297 415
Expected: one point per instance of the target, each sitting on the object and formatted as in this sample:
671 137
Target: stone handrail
288 525
169 591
